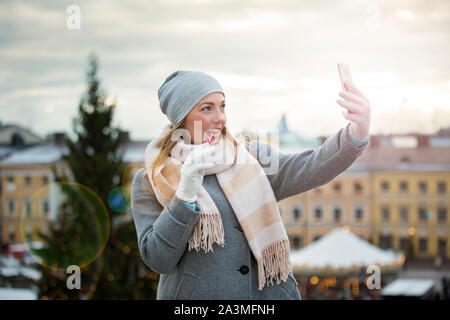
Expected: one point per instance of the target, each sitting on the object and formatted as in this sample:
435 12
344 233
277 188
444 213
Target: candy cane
209 137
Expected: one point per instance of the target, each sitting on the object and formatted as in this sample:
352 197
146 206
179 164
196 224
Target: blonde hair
166 144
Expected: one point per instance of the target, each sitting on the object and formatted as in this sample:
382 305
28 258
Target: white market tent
341 250
409 288
11 267
17 294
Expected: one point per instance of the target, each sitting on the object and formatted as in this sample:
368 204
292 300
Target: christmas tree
93 230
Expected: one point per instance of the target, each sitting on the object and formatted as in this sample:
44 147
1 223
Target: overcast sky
271 57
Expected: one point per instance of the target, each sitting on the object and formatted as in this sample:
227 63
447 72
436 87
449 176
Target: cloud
406 15
271 56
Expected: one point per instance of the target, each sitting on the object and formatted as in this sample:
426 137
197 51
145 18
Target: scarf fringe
207 231
274 263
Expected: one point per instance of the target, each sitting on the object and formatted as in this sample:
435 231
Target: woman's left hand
358 107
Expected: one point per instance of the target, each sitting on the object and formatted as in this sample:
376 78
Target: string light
314 280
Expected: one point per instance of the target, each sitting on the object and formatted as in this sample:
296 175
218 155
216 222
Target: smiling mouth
213 132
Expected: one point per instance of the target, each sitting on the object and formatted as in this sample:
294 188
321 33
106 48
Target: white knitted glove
192 172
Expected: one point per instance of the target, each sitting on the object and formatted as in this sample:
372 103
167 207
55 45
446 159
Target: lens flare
70 222
117 200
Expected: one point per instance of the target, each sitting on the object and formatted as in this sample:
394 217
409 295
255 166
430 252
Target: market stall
340 264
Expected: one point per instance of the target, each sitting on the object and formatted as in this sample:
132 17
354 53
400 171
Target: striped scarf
249 193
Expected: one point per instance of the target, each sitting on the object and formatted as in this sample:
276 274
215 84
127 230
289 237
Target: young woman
204 207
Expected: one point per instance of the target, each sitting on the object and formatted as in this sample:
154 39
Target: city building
395 195
410 182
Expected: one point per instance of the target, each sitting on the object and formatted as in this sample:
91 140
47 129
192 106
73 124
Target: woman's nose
219 116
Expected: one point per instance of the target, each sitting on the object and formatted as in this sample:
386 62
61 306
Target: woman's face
207 115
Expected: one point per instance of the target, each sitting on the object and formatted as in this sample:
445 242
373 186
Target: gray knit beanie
182 90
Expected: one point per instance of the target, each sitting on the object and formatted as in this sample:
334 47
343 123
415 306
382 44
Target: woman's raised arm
307 170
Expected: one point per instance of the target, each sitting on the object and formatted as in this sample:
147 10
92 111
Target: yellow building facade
25 201
400 209
411 211
343 202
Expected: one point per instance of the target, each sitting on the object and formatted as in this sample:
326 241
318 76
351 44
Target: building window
12 237
442 215
423 214
45 180
385 214
45 208
17 140
28 207
404 244
357 187
359 215
404 212
442 247
386 242
385 186
28 237
405 161
318 214
423 243
27 180
422 187
442 187
297 242
403 186
297 213
11 203
337 215
337 187
10 179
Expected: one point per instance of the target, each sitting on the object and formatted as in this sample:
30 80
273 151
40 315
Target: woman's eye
222 106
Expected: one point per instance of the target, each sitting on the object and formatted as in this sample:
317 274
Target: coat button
244 269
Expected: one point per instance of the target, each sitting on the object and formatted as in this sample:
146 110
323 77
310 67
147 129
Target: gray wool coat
229 272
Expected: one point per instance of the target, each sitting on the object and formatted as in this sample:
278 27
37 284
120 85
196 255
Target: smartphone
344 73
